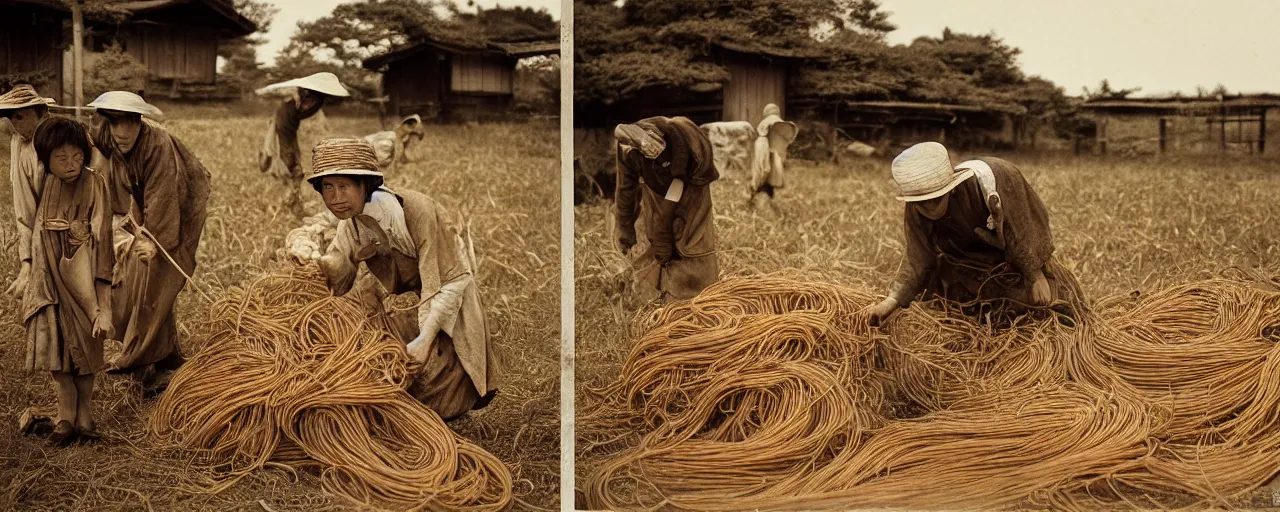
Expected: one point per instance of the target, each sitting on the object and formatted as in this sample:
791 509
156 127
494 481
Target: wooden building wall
414 84
482 74
185 53
30 42
754 82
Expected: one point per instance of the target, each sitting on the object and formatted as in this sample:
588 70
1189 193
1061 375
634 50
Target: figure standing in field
66 306
409 244
280 155
973 232
665 170
25 111
773 136
160 192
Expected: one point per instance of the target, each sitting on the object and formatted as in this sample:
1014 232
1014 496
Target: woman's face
25 121
935 208
124 131
309 99
66 162
343 196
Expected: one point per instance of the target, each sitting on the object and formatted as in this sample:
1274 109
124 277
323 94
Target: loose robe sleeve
626 196
338 263
101 224
161 212
918 259
24 195
1028 240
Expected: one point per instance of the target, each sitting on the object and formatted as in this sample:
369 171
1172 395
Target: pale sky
293 11
1158 45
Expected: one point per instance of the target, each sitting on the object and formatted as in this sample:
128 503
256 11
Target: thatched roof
517 50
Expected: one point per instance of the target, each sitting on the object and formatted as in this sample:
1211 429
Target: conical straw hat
323 82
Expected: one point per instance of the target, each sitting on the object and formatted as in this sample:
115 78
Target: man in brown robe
975 232
280 155
160 193
665 169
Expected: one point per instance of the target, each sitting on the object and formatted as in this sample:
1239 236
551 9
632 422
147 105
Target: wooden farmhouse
454 82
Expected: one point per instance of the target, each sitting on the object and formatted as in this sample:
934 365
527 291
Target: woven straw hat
343 157
924 172
22 96
124 101
323 83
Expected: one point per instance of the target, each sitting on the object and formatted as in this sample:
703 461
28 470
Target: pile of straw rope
296 378
773 393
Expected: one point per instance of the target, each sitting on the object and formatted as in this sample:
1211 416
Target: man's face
343 196
25 121
124 131
934 209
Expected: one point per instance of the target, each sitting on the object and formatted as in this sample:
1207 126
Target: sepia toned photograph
899 254
271 255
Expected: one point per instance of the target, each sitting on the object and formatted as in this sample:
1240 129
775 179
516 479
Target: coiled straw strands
296 377
771 393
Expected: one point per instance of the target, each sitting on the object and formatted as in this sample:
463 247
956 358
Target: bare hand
1041 294
102 324
880 312
144 249
19 285
420 348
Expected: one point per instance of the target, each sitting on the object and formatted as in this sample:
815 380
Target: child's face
65 162
343 196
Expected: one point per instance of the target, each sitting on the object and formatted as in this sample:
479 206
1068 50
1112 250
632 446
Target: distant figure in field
773 136
665 171
25 111
160 191
280 155
973 232
392 146
733 143
409 244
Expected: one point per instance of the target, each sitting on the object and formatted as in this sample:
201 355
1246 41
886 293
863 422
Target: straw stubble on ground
1120 224
502 176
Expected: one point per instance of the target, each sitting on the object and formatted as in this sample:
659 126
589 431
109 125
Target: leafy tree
240 69
114 70
1105 92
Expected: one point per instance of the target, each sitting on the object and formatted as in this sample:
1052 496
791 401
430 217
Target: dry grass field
1122 224
504 176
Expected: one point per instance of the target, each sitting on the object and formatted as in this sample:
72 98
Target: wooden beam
1101 135
1262 131
1163 133
77 31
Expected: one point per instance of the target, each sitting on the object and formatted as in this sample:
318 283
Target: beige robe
163 187
26 178
769 152
72 252
437 266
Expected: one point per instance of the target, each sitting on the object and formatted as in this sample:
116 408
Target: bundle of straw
295 376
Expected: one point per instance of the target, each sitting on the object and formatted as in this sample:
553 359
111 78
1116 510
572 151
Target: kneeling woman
407 244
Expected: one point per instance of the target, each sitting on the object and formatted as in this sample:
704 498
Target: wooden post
1102 135
77 60
1262 130
1222 128
1163 133
1075 141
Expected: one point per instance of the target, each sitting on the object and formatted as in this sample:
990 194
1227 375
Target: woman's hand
420 348
1041 294
880 312
19 285
144 249
102 323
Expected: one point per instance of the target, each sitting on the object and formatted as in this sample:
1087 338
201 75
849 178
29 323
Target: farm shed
1227 123
758 76
454 82
31 44
177 40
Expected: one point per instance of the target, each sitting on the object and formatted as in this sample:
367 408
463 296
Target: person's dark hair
41 111
56 132
371 183
102 133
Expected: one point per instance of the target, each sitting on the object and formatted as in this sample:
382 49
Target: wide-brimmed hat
343 157
924 172
643 136
323 83
22 96
124 101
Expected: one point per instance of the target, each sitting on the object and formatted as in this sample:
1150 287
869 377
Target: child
65 307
